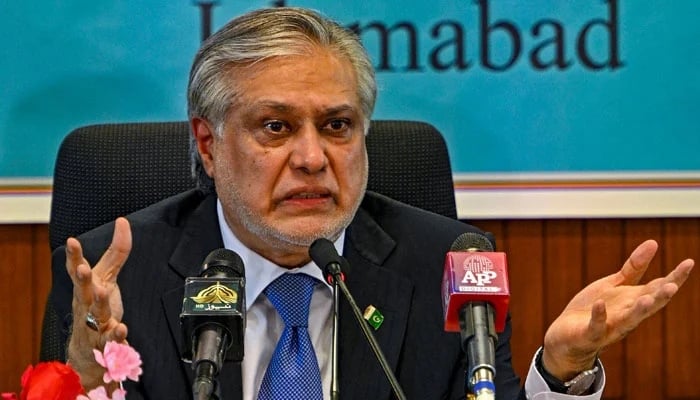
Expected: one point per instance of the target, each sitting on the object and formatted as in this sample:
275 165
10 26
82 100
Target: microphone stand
337 279
478 341
324 254
335 386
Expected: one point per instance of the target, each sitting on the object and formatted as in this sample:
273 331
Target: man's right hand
95 291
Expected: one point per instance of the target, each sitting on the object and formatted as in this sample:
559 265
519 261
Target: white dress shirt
264 325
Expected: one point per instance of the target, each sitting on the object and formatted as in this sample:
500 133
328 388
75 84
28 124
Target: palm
605 311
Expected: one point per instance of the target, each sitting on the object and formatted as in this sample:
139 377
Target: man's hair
257 36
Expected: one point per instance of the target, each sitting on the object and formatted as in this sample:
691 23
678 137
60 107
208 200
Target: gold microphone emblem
216 293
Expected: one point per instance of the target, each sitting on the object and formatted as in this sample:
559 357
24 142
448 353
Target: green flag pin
373 316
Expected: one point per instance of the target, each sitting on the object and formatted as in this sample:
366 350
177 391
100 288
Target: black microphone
476 293
324 254
213 319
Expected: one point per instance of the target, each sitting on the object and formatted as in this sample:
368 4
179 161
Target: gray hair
256 36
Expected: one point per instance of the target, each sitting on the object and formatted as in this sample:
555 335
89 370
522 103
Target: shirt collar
259 271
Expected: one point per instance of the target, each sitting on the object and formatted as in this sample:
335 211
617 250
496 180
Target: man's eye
275 126
338 125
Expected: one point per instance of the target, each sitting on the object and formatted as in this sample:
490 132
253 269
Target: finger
681 273
676 279
647 305
636 265
114 258
597 326
110 331
74 257
82 286
100 307
117 333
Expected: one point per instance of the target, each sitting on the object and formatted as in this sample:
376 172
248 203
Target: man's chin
304 239
304 234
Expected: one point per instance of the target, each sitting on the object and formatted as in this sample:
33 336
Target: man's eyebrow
339 109
275 105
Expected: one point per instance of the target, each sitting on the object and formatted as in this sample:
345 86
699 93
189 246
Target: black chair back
110 170
105 171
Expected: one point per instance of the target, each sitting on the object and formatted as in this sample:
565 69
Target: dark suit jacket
396 253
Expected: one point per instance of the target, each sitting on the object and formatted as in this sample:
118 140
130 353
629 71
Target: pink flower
100 393
119 394
121 362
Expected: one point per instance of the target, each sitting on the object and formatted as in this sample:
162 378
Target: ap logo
478 270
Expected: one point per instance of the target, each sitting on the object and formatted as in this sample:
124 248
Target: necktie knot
291 296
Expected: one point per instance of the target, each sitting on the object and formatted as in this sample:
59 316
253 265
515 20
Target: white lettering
479 278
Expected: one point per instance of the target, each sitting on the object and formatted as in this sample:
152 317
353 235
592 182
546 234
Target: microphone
213 319
324 254
319 250
476 294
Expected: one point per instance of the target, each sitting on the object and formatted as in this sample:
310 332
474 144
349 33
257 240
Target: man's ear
203 134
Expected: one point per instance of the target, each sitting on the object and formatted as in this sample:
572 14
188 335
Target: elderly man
279 103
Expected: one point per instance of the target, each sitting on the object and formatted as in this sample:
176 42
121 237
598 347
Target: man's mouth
308 196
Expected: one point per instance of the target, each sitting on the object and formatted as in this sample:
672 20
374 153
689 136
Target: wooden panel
525 298
522 241
644 346
17 299
682 327
603 252
563 264
41 254
548 261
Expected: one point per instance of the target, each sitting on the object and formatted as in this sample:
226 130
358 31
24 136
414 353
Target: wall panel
681 327
644 344
603 253
23 288
549 261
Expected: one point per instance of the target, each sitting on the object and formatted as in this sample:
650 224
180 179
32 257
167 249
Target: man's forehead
280 106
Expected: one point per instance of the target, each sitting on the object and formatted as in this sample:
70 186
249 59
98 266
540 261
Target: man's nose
308 150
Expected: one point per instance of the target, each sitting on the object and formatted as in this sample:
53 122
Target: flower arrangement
54 380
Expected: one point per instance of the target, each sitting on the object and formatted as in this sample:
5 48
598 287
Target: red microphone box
475 276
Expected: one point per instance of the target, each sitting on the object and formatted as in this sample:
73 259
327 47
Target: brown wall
549 261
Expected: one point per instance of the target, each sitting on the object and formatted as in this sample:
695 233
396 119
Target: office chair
106 171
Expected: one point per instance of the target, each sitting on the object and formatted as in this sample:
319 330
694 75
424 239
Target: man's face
291 165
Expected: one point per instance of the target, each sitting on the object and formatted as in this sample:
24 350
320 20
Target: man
279 103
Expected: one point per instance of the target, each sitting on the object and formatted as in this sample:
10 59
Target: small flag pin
373 316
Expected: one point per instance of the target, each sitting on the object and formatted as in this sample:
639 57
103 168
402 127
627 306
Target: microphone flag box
475 276
214 300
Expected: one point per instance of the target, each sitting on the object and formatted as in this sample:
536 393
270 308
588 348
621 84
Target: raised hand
95 292
605 311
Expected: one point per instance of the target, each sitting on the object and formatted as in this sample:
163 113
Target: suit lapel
372 281
200 235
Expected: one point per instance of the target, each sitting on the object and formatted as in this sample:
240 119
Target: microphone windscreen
471 241
323 252
223 262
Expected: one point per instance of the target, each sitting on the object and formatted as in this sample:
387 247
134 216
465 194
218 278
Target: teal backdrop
536 86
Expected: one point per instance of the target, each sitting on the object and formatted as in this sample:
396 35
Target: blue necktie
293 373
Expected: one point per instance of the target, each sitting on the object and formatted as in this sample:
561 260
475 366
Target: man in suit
279 104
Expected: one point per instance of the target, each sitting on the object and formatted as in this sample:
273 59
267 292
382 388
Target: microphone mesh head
471 241
225 263
322 252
